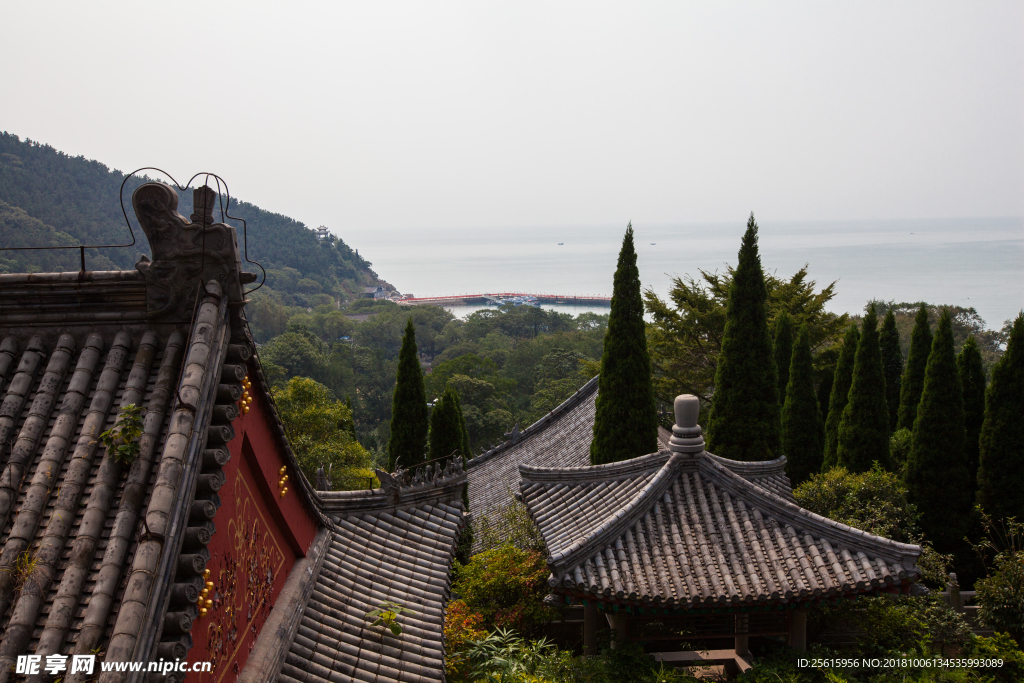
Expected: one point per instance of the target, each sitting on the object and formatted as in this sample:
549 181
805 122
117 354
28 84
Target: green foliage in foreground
936 472
745 421
506 587
319 431
864 427
1001 460
803 432
1001 593
626 419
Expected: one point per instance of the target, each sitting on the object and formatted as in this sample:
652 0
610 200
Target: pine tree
464 550
409 425
1001 466
913 375
783 350
892 366
626 420
936 473
803 432
745 419
864 427
972 379
841 382
446 436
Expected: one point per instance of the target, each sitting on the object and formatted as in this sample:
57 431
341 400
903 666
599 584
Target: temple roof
562 439
397 544
685 529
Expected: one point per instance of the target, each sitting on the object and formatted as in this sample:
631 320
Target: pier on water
500 297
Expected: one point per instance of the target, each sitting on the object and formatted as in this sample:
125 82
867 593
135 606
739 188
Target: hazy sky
370 115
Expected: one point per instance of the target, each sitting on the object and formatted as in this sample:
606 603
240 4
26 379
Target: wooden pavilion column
742 639
798 630
590 626
617 622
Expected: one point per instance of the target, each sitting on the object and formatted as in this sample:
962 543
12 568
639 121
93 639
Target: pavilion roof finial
686 433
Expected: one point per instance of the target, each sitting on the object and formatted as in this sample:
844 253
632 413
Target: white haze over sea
968 262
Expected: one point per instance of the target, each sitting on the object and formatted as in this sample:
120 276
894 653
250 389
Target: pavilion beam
617 623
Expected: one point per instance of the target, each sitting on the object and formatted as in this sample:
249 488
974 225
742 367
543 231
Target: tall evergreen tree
972 379
1001 466
783 351
626 420
446 428
936 470
408 443
864 427
467 451
892 366
913 375
803 432
841 382
745 416
828 375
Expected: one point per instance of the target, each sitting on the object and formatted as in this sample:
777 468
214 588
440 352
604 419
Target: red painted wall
260 534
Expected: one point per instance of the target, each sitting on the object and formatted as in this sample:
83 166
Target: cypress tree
892 366
913 375
783 351
351 426
972 379
825 391
467 452
408 441
446 428
626 420
841 382
803 432
864 427
936 470
1001 466
745 416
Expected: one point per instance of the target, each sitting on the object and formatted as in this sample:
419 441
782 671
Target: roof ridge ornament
687 436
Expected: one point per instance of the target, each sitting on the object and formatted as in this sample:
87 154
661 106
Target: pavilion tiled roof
393 544
562 439
683 529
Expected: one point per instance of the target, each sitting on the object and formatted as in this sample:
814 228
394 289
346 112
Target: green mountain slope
49 198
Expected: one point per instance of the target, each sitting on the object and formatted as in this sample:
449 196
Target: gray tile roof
562 439
559 439
686 531
393 544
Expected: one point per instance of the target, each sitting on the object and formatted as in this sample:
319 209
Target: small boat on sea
561 243
653 243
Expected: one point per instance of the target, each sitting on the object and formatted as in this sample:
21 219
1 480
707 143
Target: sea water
975 262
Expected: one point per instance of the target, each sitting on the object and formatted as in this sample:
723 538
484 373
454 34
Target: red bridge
478 299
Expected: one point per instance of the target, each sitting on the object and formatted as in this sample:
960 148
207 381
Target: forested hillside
49 198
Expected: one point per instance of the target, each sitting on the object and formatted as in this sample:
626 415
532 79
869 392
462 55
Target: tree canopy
685 334
864 427
803 432
319 429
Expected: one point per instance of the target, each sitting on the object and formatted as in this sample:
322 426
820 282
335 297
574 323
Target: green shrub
506 587
899 447
1000 646
1001 595
874 501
